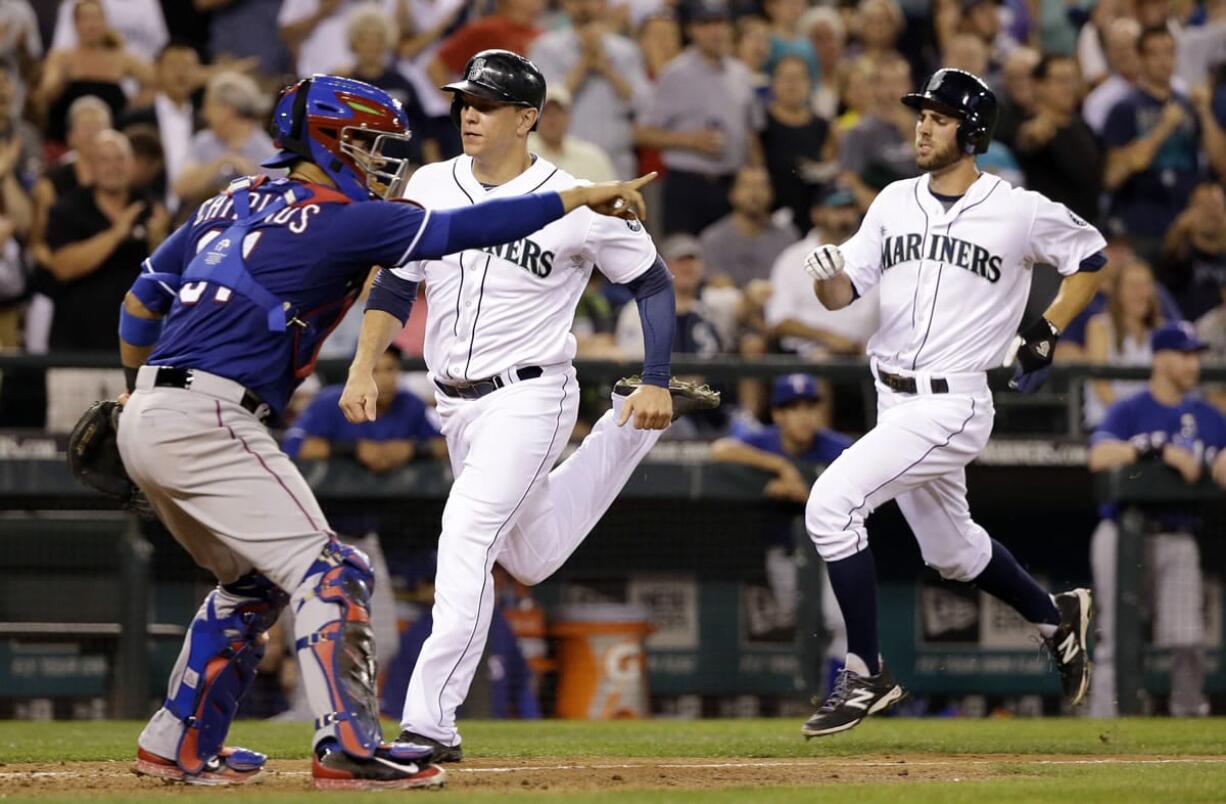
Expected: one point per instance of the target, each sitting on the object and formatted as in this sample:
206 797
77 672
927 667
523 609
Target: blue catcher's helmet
343 126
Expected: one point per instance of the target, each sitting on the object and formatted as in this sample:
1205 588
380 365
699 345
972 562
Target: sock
1004 578
854 582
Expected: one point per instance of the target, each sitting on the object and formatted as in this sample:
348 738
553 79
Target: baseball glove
687 396
93 457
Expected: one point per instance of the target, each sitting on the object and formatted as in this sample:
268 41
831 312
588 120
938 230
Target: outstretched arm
651 404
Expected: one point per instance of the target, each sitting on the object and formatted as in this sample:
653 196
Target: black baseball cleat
688 396
394 766
442 753
1068 645
853 698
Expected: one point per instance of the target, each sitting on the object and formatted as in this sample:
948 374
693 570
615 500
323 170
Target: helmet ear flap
293 141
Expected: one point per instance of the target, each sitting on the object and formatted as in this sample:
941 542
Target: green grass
115 740
1023 781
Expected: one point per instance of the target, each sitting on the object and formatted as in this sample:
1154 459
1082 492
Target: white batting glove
825 262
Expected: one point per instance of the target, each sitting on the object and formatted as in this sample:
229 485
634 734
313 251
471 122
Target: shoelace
842 689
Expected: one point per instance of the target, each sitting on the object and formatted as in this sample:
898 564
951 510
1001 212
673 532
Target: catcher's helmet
963 95
343 126
501 76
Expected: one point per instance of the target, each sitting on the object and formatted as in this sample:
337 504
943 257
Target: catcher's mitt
687 396
93 457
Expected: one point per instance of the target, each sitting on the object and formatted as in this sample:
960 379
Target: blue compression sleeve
392 295
489 223
653 293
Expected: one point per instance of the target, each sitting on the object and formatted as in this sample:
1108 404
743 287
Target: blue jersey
827 444
405 418
314 255
1149 425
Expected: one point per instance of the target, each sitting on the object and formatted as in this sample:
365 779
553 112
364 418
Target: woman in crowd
1119 336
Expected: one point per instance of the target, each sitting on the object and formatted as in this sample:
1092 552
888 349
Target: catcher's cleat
442 753
853 698
1068 645
688 396
230 766
394 766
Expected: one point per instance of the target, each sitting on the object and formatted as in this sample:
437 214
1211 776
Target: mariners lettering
941 248
527 254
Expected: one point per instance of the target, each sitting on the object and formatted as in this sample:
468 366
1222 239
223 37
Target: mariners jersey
314 255
513 305
954 283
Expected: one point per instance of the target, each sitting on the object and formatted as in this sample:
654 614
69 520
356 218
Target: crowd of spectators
773 122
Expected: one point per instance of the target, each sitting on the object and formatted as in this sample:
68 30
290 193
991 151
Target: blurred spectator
241 29
1203 46
793 312
139 26
148 162
1015 93
965 51
372 40
659 41
751 46
315 30
94 63
16 217
172 113
697 333
1056 149
21 45
797 435
878 26
1166 423
98 236
233 143
581 159
881 147
1094 39
797 441
856 97
595 322
512 27
1153 137
422 31
1194 251
1120 335
603 73
703 117
28 162
793 139
788 37
743 245
828 35
1124 61
400 432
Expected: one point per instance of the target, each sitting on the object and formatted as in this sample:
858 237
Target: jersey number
191 293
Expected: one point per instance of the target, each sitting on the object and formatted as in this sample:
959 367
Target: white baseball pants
507 506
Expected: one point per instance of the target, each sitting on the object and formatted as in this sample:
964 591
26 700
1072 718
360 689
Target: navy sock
1004 578
854 582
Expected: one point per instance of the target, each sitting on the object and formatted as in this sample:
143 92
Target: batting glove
1033 350
825 262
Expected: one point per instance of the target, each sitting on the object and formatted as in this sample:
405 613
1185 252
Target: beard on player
938 156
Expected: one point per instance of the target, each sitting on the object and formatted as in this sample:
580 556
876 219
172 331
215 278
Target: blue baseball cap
1178 337
793 387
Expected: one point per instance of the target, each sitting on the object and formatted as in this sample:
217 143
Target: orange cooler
601 665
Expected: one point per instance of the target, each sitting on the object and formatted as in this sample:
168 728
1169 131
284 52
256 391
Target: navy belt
475 389
907 385
171 377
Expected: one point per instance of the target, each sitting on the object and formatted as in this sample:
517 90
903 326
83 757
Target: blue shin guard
332 620
223 652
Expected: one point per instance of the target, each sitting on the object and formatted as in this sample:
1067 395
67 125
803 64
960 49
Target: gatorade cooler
601 668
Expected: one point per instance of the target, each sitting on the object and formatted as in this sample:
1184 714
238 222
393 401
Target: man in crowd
742 246
552 140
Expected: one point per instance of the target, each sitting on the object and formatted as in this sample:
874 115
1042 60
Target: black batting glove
1035 347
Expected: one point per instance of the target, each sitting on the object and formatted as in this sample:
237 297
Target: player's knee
836 533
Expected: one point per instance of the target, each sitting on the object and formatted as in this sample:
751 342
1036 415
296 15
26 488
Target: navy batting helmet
500 76
965 96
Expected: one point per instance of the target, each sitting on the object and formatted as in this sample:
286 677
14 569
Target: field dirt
562 775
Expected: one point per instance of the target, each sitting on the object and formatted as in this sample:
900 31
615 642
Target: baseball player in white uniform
499 350
951 252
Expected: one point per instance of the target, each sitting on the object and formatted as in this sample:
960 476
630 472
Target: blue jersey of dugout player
218 328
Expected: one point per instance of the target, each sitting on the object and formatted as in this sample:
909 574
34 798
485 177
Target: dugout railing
706 510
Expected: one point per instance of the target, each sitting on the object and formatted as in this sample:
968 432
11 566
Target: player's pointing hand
617 198
359 397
